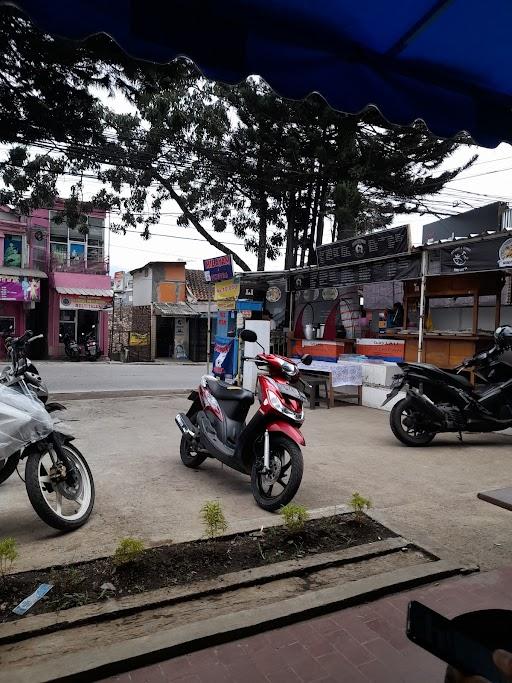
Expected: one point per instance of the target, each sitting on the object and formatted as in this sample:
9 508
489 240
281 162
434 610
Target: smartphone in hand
439 636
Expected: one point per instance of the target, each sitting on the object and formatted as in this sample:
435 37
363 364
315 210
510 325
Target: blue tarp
447 62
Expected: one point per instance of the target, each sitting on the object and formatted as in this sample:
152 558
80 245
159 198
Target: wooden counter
320 349
444 350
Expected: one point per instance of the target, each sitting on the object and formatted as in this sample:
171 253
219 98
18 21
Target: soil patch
170 565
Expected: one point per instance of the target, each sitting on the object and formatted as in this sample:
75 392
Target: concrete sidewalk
357 645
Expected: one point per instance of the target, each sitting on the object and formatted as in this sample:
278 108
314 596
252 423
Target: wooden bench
314 382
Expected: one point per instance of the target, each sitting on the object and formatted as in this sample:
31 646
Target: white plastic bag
23 420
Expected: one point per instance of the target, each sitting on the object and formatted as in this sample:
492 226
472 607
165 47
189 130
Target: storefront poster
13 245
139 339
403 268
229 289
223 356
76 251
482 255
84 303
383 243
119 281
14 288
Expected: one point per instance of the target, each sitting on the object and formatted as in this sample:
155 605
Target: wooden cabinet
445 351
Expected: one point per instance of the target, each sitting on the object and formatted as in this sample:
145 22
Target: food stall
462 292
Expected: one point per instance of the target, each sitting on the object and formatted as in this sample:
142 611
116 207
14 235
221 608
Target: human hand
503 661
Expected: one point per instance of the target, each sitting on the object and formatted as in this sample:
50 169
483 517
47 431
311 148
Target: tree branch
197 225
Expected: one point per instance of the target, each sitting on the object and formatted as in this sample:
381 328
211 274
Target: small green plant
8 554
213 518
295 517
359 504
128 550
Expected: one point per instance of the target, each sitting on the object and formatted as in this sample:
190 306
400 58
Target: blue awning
447 62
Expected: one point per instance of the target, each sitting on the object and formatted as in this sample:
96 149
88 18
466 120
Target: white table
338 375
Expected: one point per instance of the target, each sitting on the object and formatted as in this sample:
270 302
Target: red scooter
268 446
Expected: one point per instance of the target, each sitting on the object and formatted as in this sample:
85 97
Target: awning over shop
177 310
446 62
22 272
83 291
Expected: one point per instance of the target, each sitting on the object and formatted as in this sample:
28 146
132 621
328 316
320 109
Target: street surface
143 490
67 377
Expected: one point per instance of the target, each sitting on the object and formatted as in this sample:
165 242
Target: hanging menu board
406 267
373 245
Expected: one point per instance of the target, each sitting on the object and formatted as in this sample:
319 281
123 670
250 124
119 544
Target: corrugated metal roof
22 272
81 291
178 310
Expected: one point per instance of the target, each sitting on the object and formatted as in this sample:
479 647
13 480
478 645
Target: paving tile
148 674
390 633
173 668
242 670
230 652
285 675
340 669
354 651
324 625
317 645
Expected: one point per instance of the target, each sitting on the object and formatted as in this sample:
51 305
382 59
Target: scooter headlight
277 404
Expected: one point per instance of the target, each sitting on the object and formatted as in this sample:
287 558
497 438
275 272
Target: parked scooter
268 447
58 480
91 349
71 348
439 401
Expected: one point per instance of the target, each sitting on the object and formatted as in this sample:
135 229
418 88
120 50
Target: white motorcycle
58 480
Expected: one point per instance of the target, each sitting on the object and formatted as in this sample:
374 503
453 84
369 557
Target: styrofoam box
373 397
379 374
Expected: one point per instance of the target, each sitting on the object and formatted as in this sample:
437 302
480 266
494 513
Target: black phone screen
441 637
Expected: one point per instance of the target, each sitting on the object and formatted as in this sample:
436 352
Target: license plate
291 392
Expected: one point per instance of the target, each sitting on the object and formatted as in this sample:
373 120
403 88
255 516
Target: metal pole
209 334
421 326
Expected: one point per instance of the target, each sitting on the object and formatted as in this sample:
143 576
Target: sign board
84 303
226 305
218 269
119 281
403 268
229 289
245 305
223 356
373 245
477 256
14 288
139 339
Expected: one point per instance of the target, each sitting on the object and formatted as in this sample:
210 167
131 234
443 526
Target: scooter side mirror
248 336
306 359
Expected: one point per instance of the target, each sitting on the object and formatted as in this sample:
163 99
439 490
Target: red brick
324 625
255 643
317 646
285 675
354 652
229 652
385 630
340 668
282 636
148 674
359 630
243 670
377 672
173 668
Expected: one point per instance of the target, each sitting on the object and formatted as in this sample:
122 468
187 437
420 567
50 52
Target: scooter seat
227 392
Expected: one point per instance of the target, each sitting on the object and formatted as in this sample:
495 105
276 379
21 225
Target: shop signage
376 244
229 289
407 267
119 281
218 269
226 305
14 288
483 255
139 339
223 356
84 303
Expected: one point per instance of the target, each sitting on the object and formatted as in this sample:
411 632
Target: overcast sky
489 179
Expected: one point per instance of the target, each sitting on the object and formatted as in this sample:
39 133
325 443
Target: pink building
53 278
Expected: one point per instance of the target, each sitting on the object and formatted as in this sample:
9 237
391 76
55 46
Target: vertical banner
223 356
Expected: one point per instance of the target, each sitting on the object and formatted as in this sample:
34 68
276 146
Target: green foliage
359 504
294 516
128 550
8 554
213 518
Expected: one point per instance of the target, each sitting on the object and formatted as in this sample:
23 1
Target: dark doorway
197 336
164 337
37 321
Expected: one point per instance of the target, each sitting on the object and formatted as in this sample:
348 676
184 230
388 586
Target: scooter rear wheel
405 427
272 491
189 457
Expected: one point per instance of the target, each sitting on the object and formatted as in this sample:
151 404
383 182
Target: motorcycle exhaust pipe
423 404
185 426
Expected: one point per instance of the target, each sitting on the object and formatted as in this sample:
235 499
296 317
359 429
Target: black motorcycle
71 348
91 349
439 401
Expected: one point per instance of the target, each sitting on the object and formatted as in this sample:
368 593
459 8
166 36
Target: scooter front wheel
272 490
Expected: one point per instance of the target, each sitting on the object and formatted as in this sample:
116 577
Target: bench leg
312 397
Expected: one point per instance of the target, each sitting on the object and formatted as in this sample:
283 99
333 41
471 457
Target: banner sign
491 254
139 339
84 303
405 268
223 355
373 245
218 268
14 288
119 281
229 289
226 305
